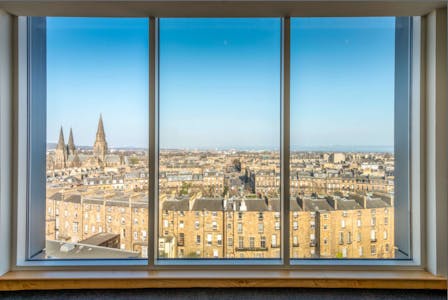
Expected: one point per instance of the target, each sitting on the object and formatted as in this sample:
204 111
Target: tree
226 190
184 189
133 160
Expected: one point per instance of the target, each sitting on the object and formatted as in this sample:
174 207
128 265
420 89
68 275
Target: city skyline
251 44
317 148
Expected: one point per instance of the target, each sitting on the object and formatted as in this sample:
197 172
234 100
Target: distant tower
71 144
100 146
60 158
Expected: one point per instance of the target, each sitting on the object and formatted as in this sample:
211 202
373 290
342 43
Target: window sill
54 280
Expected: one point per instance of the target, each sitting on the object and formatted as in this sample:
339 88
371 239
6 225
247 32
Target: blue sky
220 81
98 66
342 82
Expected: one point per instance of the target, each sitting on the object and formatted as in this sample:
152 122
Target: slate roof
99 238
75 198
348 204
93 201
317 204
376 203
256 204
55 249
209 204
176 204
56 196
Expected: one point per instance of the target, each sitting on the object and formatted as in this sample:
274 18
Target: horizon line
332 148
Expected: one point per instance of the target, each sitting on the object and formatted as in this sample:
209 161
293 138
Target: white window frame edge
153 161
6 94
434 259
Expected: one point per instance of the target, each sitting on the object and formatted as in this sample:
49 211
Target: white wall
436 143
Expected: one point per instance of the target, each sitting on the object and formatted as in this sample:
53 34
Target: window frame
420 64
36 114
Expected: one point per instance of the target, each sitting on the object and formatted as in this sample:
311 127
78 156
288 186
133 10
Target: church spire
60 152
71 144
100 146
61 142
100 135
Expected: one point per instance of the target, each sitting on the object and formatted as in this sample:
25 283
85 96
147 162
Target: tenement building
220 204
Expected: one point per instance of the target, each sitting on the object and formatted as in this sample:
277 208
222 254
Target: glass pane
342 137
219 139
97 138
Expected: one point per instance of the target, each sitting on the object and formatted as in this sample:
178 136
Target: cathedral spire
71 144
100 135
61 142
100 146
60 154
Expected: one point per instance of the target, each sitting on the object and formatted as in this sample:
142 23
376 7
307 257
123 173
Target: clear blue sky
98 65
220 81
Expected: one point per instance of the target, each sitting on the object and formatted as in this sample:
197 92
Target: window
295 242
87 147
75 227
219 90
295 225
209 239
277 225
251 242
181 241
211 170
240 227
343 112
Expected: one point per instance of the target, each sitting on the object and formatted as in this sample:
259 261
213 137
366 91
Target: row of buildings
337 226
221 204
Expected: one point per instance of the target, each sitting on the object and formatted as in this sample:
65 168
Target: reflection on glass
342 137
219 139
97 170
